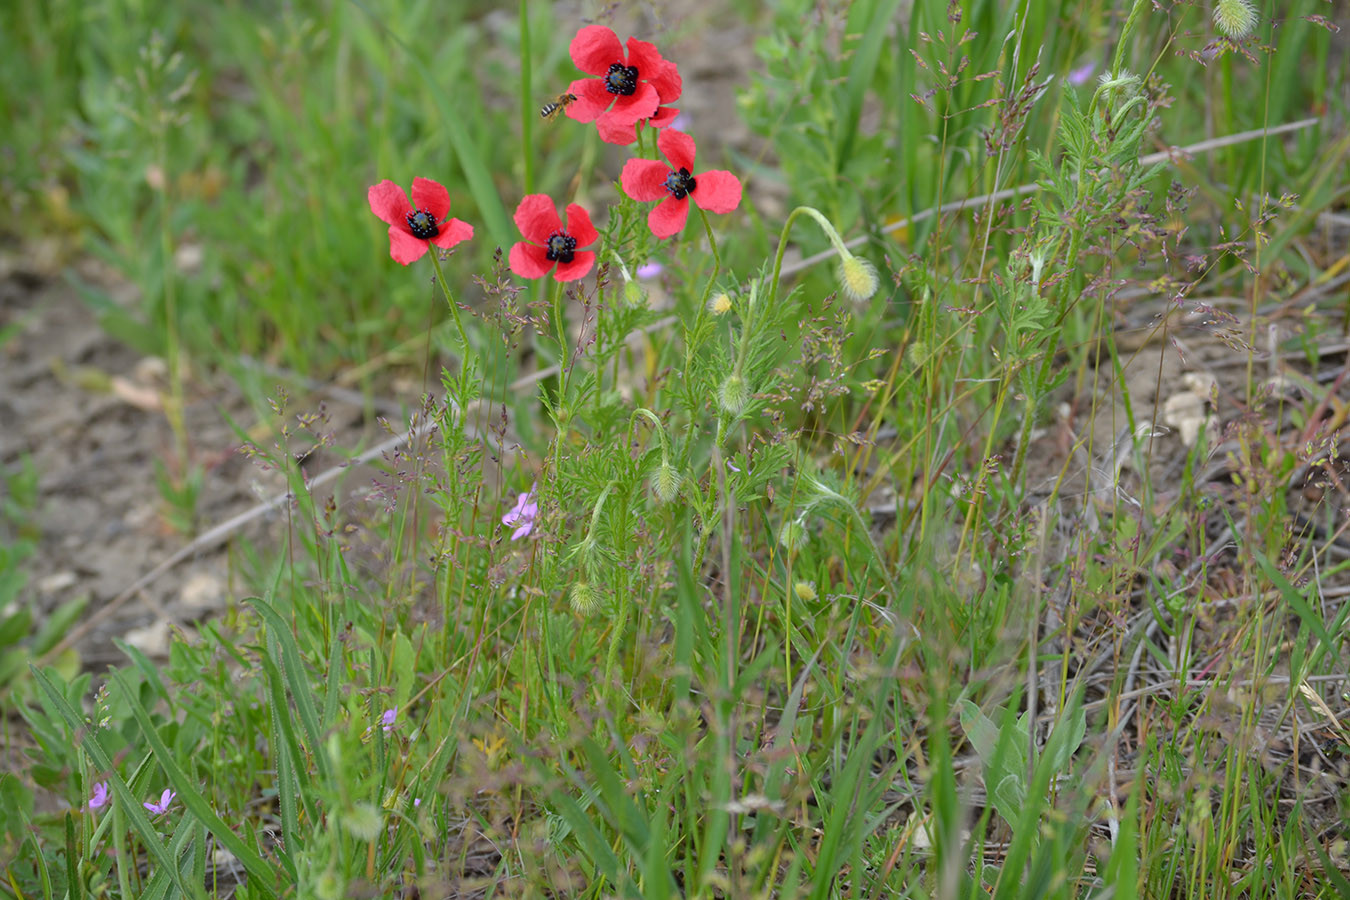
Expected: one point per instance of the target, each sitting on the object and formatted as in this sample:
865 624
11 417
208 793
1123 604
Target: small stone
151 370
202 593
139 516
152 640
56 583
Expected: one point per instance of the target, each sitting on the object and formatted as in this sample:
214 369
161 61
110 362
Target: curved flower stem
782 247
825 225
656 426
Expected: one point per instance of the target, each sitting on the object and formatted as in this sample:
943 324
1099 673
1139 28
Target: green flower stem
563 374
465 350
717 259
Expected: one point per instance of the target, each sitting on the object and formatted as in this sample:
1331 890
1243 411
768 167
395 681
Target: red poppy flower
717 191
554 243
414 226
636 82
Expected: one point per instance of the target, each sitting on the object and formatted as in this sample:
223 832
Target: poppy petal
581 264
595 49
646 57
537 218
677 147
431 196
592 100
641 105
667 82
668 217
644 179
619 133
452 232
529 260
389 203
403 247
717 191
579 225
663 117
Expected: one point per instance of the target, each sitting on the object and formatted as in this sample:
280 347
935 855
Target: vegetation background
1024 575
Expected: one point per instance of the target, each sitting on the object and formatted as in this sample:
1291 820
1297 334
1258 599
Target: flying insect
556 105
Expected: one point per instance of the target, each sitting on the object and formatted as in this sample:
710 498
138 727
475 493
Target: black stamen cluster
621 79
423 225
680 184
560 247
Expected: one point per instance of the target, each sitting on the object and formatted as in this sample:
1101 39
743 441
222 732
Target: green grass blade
333 687
1297 602
288 754
477 176
90 743
262 876
849 800
874 30
157 888
301 689
1027 829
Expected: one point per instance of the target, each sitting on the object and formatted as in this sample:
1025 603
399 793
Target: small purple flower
417 801
162 806
1081 75
388 718
522 515
99 797
649 270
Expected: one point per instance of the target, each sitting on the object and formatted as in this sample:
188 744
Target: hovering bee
556 105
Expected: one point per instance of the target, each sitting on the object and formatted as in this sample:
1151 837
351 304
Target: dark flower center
680 184
560 247
621 79
423 225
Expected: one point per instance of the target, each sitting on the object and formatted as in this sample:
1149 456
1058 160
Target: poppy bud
733 395
667 482
857 277
584 598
